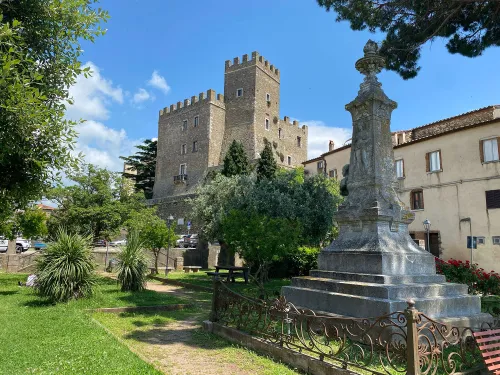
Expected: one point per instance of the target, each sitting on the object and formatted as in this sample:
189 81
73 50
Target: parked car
118 243
22 245
100 243
39 245
4 244
180 241
185 240
193 240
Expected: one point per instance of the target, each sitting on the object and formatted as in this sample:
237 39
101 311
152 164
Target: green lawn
40 338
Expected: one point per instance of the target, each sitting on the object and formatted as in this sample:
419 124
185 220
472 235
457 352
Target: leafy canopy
235 161
40 44
98 203
142 167
469 27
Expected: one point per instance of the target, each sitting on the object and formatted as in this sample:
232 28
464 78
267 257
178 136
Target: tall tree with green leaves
235 161
470 27
96 204
266 166
143 163
40 43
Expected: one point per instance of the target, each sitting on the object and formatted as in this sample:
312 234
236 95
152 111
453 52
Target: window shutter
440 160
403 162
498 146
427 163
481 151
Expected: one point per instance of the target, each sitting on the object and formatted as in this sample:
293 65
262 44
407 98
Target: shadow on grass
8 292
39 303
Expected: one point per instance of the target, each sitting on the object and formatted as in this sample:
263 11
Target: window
400 171
183 149
332 173
182 169
417 200
289 159
492 199
239 93
299 142
184 125
489 150
268 97
433 161
481 240
267 124
320 164
196 119
495 240
195 146
280 133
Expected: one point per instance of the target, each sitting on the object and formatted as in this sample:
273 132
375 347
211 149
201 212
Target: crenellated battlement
255 60
286 121
210 96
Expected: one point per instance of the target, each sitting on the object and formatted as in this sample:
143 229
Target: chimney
331 145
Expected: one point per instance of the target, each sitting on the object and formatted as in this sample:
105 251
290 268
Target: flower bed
478 280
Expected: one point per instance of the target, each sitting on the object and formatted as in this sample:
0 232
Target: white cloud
102 145
159 82
141 96
92 96
320 134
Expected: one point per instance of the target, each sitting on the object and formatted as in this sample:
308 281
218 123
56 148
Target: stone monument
374 266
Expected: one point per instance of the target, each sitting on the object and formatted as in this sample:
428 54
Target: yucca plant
66 270
133 264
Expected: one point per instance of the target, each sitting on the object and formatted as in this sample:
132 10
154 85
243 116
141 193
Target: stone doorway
434 239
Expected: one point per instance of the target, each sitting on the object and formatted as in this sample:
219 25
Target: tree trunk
156 262
11 247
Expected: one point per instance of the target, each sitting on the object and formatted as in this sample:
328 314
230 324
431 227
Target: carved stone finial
372 63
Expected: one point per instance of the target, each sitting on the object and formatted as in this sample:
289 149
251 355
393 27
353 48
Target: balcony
180 179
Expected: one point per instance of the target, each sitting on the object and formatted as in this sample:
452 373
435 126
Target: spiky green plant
66 270
133 264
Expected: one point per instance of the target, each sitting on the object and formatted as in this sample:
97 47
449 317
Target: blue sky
158 52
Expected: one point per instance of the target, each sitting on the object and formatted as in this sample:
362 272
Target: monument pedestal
374 267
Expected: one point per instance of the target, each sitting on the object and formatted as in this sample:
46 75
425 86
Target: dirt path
180 347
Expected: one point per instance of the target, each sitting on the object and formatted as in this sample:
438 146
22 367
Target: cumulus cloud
100 144
159 82
320 134
141 96
92 96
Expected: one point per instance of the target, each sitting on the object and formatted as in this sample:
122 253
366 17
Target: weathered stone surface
374 266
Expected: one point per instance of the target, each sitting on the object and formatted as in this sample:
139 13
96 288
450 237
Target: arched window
417 199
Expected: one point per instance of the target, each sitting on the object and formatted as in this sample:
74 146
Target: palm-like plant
133 264
66 270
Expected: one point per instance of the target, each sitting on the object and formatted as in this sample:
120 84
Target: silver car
4 244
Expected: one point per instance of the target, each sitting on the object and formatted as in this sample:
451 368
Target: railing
403 342
180 178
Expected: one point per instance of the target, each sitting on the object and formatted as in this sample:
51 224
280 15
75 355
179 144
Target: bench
229 276
489 346
188 269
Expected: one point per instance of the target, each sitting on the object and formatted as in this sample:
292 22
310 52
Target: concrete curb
294 359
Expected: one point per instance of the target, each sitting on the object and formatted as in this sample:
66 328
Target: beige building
449 173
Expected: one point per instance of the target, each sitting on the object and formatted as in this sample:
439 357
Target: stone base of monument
370 292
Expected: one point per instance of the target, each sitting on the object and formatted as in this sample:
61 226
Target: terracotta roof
45 207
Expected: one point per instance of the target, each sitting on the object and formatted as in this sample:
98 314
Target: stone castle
194 135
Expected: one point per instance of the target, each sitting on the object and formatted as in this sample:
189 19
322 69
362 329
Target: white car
4 243
118 243
22 245
180 241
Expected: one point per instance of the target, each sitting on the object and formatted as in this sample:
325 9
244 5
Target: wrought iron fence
403 342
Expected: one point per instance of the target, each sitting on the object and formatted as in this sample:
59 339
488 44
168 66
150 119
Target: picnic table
233 271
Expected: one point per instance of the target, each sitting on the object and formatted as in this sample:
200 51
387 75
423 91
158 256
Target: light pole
169 224
427 227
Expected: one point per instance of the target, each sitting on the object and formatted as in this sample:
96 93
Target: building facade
449 173
194 135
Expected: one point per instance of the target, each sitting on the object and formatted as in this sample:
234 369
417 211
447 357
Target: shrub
297 263
133 264
478 281
66 270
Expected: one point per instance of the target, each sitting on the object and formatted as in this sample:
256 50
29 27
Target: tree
266 166
31 223
468 26
235 161
261 239
40 44
96 204
144 164
153 232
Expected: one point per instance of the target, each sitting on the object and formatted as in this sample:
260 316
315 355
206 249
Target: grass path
176 344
